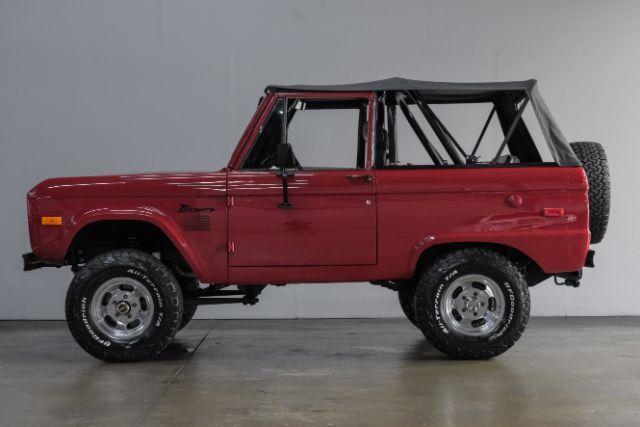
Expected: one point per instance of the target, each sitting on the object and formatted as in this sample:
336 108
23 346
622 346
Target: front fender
54 242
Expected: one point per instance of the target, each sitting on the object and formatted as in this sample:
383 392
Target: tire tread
454 348
145 262
594 162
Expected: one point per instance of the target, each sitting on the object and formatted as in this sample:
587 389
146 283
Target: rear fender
552 250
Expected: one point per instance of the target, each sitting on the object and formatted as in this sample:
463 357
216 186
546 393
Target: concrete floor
576 371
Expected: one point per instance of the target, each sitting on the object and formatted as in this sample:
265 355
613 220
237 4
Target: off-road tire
152 274
406 294
594 162
431 289
188 284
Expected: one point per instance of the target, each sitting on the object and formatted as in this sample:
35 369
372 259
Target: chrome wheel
473 305
122 309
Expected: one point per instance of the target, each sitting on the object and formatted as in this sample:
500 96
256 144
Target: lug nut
125 297
135 305
464 309
129 316
117 314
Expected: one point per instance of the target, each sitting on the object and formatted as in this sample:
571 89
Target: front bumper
32 262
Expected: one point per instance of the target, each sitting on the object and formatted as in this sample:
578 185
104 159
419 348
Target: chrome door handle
359 177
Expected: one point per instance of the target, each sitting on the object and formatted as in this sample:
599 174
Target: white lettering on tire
149 282
512 310
436 307
87 325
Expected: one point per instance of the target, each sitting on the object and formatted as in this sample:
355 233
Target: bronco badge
184 207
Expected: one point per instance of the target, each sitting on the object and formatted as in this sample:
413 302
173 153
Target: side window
447 132
410 151
530 120
262 155
324 134
466 122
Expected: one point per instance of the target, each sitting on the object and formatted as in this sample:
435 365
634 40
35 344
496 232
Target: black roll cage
390 99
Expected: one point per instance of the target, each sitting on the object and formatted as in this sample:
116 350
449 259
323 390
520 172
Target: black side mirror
285 160
284 156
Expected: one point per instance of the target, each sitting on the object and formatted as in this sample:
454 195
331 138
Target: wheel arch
531 270
102 234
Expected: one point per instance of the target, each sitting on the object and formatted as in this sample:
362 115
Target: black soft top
449 92
400 84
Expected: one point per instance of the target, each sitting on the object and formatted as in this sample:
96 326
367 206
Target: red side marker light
553 212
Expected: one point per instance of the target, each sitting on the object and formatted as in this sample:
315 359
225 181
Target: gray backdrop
91 87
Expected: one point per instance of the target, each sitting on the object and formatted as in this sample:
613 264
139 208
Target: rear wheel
124 306
472 304
406 293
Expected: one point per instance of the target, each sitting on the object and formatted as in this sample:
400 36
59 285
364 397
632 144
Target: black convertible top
399 83
448 92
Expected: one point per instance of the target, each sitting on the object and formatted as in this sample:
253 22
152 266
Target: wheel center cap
473 304
123 307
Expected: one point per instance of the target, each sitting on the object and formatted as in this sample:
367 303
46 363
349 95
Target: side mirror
284 156
285 160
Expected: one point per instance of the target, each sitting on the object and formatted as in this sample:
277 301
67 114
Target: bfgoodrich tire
124 306
406 294
594 162
472 304
188 285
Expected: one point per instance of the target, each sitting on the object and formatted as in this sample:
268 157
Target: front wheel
189 286
124 306
472 304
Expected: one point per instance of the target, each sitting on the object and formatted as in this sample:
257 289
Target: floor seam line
172 377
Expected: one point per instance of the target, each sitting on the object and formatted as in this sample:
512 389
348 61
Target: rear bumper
32 262
589 260
572 278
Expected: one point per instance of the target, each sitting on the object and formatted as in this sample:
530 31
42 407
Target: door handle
359 177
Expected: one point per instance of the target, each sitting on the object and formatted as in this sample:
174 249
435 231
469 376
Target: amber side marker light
51 220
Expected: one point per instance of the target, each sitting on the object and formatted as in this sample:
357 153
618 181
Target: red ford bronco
348 183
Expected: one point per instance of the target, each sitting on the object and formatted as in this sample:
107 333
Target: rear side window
498 129
466 122
530 120
410 150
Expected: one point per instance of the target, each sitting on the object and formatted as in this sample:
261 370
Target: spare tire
594 162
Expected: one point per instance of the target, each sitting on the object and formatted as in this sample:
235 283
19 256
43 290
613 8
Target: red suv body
379 221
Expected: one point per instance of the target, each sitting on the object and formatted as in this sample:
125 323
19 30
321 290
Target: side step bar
212 295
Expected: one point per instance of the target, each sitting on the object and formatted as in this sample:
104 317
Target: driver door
332 217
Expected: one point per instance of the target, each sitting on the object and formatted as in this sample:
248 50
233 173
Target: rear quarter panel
420 208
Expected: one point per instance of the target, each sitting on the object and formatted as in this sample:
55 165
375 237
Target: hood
132 185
